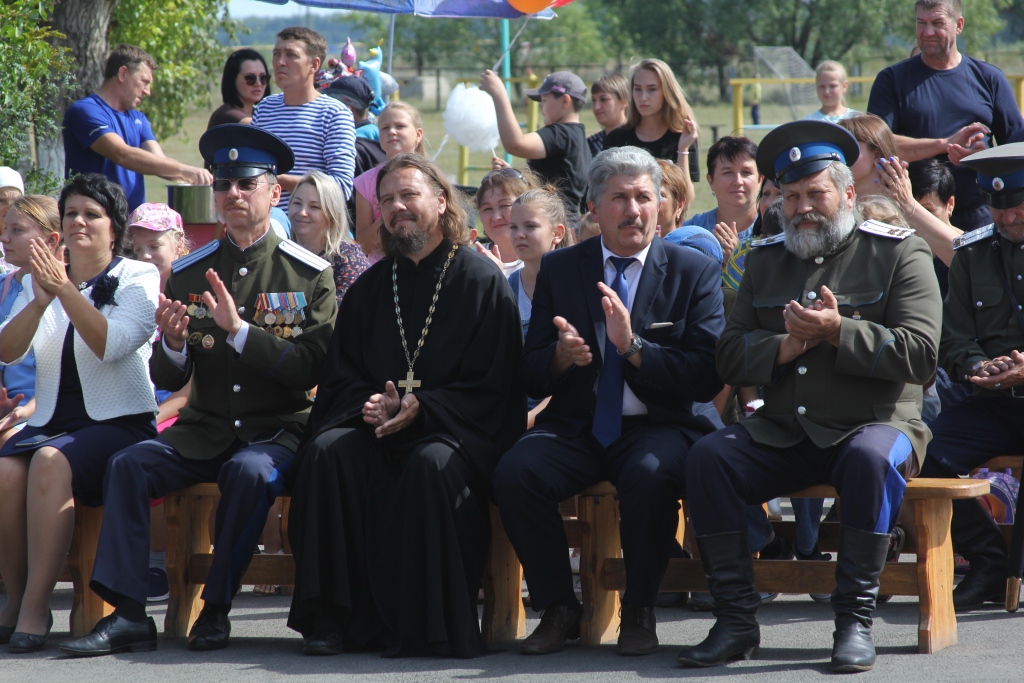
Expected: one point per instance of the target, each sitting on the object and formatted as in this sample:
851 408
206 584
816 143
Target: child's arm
528 145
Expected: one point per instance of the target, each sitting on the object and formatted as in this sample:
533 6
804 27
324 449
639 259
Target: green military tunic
260 394
889 299
979 322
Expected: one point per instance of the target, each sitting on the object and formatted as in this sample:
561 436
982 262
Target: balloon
469 118
348 53
371 73
530 6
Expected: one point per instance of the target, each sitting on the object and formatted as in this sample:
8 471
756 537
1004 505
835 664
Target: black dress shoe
211 630
323 644
20 643
637 631
558 624
114 634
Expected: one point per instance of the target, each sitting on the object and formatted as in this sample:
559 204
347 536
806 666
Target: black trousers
728 470
647 466
250 477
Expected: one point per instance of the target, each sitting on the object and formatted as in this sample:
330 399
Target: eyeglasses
244 184
250 79
514 173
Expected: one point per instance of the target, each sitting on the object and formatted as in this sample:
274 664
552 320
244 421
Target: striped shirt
321 133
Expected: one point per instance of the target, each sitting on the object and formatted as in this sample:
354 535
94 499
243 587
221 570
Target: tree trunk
724 89
85 24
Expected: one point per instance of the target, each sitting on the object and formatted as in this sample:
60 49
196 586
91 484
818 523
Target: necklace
409 383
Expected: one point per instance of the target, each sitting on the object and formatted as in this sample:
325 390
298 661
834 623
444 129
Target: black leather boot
730 574
861 559
976 537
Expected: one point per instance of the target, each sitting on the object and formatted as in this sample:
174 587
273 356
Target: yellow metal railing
532 117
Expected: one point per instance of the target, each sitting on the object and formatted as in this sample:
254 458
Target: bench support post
86 608
599 518
188 532
504 617
937 624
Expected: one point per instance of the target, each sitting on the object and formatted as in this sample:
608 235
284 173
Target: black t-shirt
225 113
567 161
664 147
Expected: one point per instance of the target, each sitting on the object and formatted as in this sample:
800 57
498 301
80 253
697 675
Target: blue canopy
499 9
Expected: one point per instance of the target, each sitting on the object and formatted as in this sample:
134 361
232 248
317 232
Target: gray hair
952 8
633 162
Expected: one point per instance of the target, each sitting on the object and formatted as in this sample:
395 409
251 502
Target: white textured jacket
119 384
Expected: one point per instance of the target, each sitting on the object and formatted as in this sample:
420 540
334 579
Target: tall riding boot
730 575
976 537
861 559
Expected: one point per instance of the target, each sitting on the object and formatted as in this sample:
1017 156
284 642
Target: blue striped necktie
608 411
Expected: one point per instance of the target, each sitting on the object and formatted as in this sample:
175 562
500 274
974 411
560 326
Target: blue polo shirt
89 119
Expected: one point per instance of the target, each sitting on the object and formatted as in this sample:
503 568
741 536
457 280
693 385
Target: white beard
832 231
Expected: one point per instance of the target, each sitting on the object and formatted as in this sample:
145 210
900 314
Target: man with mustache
839 324
622 338
389 519
982 341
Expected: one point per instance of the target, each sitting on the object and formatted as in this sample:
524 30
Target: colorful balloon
348 54
530 6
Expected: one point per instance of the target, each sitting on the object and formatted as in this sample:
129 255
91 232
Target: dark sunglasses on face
244 184
250 79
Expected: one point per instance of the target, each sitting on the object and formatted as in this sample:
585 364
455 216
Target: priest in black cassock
389 518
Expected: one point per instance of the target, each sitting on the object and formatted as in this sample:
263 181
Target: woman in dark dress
245 82
89 324
660 120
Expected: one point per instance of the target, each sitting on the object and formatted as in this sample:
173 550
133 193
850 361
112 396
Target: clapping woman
89 324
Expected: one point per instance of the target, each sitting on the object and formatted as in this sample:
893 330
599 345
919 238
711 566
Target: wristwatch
637 344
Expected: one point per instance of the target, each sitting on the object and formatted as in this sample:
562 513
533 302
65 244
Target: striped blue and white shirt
321 133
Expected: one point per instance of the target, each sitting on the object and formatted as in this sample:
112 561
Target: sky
254 8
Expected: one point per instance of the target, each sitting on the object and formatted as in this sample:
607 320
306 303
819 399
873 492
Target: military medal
287 332
194 299
195 338
296 331
289 317
201 312
208 342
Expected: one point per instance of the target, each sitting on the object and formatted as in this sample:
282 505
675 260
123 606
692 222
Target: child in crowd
401 130
537 226
558 153
494 198
830 86
11 187
156 235
609 99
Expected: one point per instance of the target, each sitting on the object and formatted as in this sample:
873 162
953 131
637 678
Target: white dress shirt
631 405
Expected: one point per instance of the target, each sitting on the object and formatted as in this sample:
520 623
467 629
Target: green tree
573 37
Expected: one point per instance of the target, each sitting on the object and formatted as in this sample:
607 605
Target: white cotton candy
470 119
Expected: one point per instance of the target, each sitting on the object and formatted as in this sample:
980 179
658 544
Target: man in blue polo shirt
105 133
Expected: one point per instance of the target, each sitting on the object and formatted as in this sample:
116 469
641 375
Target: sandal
266 590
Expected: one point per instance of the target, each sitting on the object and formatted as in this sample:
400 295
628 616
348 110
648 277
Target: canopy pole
506 69
391 42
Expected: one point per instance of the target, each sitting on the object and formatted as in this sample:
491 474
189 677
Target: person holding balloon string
558 153
401 130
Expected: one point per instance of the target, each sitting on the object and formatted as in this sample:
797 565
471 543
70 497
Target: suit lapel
592 272
650 284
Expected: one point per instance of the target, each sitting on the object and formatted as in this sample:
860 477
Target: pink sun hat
156 217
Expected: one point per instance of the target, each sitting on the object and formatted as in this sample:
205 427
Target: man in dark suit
622 338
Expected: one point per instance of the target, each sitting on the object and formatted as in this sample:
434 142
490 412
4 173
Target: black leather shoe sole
637 651
24 643
851 668
324 645
208 643
746 654
138 646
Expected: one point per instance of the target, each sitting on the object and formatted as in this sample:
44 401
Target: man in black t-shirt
558 152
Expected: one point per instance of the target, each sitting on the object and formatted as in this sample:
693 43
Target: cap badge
998 184
794 154
233 154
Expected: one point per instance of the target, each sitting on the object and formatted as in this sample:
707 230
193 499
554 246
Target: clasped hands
48 273
571 349
172 316
806 327
1003 372
389 413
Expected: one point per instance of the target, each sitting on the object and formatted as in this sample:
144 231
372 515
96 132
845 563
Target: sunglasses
250 79
244 184
507 173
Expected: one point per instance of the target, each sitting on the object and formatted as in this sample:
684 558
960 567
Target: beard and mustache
405 241
832 231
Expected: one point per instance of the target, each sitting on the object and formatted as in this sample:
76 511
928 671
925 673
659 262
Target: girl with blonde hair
831 83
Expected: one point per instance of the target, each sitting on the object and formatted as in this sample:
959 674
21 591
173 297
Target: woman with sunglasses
245 82
89 324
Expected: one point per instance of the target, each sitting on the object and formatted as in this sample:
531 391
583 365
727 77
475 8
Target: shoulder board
974 236
300 253
766 241
885 230
197 255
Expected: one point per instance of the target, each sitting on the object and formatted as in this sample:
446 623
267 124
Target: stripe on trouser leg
894 487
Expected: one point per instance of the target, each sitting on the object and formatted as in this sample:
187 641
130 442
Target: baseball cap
351 90
11 178
561 83
156 217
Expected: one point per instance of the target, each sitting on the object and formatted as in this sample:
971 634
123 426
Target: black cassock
390 535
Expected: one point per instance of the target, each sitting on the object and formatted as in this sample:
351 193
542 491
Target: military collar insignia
197 255
766 241
885 230
974 236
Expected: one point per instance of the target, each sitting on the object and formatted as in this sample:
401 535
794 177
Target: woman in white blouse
89 324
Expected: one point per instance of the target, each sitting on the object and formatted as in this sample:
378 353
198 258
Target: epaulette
973 236
766 241
197 255
300 253
885 230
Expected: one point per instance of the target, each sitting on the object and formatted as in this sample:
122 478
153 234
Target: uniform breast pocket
990 306
861 304
661 332
769 310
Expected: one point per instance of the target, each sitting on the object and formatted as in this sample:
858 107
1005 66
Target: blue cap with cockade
1000 174
800 148
234 150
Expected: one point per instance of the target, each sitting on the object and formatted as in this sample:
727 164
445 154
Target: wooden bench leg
599 518
504 616
937 624
188 532
86 608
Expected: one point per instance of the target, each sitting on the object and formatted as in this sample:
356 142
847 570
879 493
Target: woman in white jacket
89 324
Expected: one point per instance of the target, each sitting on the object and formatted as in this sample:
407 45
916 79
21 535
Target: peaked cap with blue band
235 150
797 149
1000 174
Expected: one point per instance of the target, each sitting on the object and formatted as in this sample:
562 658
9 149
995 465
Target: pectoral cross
409 383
